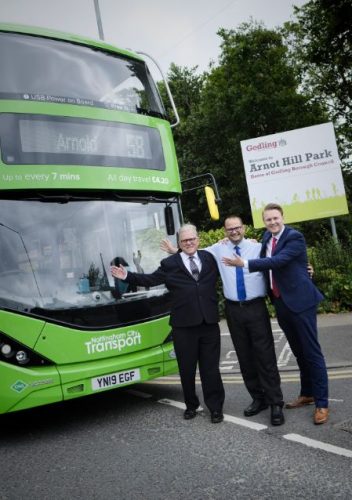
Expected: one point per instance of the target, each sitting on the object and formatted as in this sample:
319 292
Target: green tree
186 87
253 92
320 47
320 42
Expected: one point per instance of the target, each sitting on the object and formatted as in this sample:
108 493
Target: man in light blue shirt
248 320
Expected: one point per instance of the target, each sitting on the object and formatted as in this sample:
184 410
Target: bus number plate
115 379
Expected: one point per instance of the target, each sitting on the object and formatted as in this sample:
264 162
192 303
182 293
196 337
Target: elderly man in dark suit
191 276
284 261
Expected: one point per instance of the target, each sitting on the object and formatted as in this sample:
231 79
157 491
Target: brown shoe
300 401
321 415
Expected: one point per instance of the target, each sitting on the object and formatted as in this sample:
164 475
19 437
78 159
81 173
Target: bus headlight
15 353
6 350
22 357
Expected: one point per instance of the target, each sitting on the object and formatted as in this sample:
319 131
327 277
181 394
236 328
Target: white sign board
300 170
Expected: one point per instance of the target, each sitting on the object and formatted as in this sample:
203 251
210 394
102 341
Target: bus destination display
61 141
73 138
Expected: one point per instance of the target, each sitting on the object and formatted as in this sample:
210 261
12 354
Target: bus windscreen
51 71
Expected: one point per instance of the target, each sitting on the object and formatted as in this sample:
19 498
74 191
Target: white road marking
227 418
245 423
170 402
297 438
282 359
176 404
285 355
312 443
230 363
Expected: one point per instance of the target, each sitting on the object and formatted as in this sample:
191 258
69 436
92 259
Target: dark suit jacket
289 268
192 302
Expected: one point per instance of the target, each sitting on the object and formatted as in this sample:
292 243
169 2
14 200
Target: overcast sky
179 31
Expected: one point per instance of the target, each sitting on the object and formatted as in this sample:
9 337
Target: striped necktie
241 290
194 268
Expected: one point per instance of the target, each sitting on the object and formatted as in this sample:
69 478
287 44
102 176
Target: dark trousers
200 344
252 337
302 335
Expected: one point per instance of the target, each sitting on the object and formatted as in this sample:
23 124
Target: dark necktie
241 290
194 268
274 286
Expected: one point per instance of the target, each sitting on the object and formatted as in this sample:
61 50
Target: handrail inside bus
166 86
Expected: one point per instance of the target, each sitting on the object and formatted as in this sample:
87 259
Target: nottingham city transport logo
118 341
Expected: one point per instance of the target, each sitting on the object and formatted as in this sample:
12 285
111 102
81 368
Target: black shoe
216 417
189 414
256 406
277 416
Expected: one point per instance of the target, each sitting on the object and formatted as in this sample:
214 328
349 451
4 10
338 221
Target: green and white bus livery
88 176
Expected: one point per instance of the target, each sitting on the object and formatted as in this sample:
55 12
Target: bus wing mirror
211 202
169 220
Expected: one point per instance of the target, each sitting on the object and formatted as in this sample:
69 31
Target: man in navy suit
191 276
284 261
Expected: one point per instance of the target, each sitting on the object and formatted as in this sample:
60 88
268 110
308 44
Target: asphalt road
133 443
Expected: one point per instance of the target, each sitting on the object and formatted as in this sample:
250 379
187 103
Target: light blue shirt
254 282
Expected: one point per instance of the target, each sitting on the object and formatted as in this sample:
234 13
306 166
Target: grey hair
188 227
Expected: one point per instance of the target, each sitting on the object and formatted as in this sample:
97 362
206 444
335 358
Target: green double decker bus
88 177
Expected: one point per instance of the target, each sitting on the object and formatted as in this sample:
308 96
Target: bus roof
59 35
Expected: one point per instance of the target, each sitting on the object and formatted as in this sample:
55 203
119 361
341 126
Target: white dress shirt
187 263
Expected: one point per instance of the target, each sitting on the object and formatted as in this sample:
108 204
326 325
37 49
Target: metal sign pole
98 18
333 229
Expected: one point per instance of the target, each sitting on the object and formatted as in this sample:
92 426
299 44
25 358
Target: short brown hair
273 206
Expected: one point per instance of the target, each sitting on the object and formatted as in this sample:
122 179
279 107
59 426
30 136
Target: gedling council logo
113 342
261 145
266 145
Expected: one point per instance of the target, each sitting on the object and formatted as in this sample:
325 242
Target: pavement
344 318
335 337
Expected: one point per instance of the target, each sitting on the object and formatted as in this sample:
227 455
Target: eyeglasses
233 229
189 240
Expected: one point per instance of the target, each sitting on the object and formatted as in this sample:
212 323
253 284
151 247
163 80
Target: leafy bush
332 264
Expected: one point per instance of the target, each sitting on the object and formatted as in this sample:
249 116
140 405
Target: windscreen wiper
150 112
62 198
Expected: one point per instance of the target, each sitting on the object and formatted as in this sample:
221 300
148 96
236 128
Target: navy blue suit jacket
289 269
192 302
